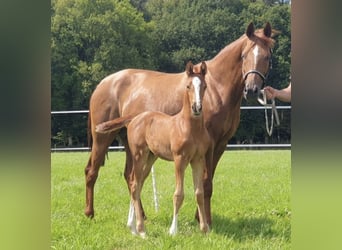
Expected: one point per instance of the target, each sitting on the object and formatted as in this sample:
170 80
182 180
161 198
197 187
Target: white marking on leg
173 228
131 218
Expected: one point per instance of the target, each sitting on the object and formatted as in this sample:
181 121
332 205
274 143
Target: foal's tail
112 125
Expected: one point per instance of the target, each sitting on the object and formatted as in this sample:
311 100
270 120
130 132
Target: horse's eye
188 86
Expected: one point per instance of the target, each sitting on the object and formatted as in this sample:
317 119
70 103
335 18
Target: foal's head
256 58
196 86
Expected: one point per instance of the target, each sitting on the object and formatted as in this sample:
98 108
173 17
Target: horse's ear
203 68
250 30
268 30
189 68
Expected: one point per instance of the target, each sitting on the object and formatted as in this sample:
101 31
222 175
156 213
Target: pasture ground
250 204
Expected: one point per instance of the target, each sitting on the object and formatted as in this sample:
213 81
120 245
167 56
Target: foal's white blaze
196 82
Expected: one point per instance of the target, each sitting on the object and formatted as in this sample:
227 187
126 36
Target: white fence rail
230 146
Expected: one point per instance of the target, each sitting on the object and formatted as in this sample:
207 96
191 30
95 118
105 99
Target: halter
254 71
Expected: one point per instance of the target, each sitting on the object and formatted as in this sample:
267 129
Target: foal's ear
203 68
268 30
250 30
189 68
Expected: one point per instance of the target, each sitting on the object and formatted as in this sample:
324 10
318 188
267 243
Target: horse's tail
90 138
112 125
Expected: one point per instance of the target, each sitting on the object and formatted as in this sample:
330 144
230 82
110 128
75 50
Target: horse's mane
268 41
259 37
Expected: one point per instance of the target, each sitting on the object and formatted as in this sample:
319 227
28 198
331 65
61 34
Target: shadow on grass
242 228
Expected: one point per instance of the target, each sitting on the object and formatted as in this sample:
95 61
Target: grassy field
250 205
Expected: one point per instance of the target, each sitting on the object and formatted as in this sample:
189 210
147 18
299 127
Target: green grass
250 205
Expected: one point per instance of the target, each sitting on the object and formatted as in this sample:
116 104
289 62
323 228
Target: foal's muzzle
196 109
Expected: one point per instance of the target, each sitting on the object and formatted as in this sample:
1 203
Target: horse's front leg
178 197
212 157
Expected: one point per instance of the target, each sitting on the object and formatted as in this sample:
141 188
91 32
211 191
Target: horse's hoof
89 214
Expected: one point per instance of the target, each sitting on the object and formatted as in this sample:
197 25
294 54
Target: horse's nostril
255 89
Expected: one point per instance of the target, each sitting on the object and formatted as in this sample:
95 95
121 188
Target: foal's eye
188 86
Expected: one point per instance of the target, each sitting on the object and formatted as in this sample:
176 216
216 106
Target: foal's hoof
132 228
143 235
205 229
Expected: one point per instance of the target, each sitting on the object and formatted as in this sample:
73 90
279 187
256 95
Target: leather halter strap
254 71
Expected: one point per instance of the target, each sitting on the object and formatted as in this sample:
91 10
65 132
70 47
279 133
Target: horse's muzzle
252 92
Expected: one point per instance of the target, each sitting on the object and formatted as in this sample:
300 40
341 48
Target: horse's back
133 91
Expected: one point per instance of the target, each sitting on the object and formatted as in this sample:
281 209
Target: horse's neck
225 71
226 66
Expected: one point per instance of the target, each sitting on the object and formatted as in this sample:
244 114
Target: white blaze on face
256 53
196 82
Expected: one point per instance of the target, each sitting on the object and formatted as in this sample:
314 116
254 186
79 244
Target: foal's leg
197 175
99 149
144 172
129 179
178 197
136 187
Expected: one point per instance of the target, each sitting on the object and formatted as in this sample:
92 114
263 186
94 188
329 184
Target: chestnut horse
237 70
181 138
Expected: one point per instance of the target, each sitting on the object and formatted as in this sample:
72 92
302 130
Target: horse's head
256 57
196 86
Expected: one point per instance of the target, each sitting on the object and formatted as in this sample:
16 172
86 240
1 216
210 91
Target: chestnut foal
182 138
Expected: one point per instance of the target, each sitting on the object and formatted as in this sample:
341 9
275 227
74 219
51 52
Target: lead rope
274 112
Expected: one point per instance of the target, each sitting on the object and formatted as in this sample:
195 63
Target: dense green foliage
91 39
250 205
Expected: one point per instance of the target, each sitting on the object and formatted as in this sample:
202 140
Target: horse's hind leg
98 152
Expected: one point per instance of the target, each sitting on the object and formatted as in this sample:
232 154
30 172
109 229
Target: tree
192 30
91 39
